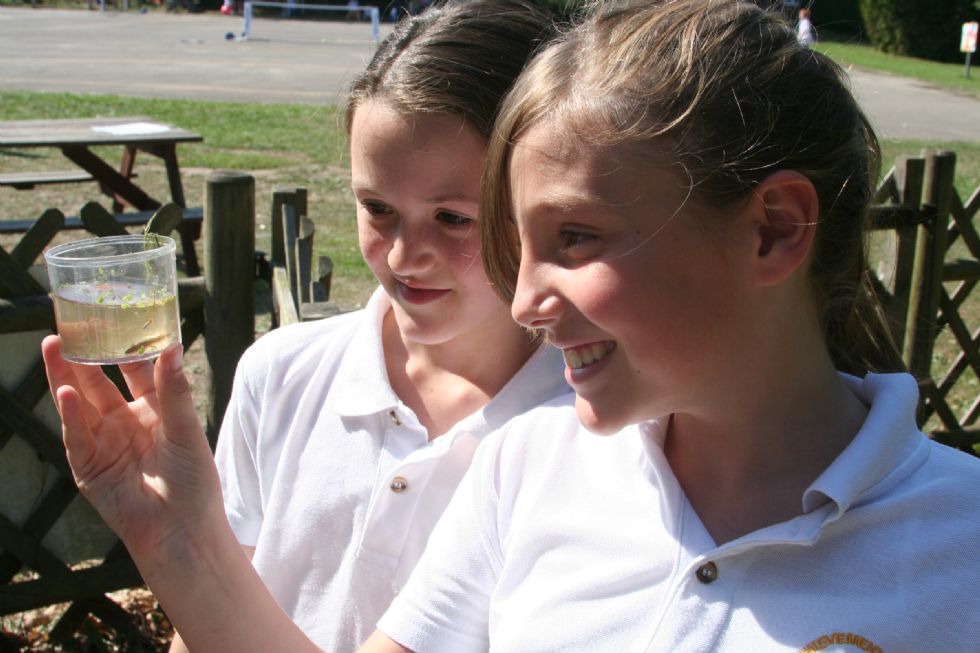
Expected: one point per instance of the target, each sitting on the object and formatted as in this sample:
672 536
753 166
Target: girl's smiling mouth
413 295
585 355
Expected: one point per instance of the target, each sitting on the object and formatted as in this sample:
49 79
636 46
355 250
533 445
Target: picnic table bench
76 138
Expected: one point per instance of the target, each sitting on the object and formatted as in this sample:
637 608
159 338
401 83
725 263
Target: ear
785 210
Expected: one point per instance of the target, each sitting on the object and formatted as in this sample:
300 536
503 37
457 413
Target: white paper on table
133 128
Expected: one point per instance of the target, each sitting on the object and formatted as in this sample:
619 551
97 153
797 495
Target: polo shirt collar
361 386
887 448
885 451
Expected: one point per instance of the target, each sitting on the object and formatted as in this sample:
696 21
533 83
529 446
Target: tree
918 28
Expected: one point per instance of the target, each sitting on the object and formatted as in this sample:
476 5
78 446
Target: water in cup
115 298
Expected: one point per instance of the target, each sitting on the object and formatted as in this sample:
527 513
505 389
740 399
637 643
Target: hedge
928 29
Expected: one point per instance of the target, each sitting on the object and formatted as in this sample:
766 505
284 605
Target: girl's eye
453 219
376 208
570 238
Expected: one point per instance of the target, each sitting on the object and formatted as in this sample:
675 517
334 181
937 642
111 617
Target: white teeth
582 356
600 351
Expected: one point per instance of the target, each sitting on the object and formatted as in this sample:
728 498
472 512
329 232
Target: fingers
180 421
139 378
79 442
61 373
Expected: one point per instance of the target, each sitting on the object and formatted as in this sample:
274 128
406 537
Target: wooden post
295 197
229 274
929 261
910 175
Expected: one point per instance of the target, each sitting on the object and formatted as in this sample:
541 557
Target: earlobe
787 211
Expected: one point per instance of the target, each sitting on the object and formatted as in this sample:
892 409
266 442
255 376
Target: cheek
464 255
374 247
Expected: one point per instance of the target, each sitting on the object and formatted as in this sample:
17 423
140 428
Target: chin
598 421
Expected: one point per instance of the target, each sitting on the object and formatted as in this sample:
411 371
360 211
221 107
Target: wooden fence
297 296
218 306
928 282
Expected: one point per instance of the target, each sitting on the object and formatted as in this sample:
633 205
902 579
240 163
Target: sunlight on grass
862 55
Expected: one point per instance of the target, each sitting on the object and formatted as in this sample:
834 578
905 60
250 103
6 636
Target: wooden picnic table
76 137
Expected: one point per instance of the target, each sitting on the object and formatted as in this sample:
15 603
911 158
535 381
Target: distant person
805 33
353 10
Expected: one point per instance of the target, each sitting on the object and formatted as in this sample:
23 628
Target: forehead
549 165
391 147
377 124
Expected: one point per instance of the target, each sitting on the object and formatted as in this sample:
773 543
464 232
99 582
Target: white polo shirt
333 479
561 540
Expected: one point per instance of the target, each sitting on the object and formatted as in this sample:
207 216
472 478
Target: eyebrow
452 197
570 202
436 199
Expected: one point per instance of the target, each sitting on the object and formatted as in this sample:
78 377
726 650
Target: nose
537 304
411 250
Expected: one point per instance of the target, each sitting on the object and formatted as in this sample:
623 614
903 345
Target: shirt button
707 573
398 484
394 417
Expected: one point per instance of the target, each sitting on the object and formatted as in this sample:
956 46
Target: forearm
216 600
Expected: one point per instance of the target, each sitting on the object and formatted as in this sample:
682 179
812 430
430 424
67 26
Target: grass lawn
851 52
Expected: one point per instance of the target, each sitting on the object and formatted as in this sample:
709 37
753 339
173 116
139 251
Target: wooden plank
18 418
86 131
282 297
906 235
963 226
82 584
108 612
55 501
14 280
129 219
28 313
324 279
887 190
295 197
962 439
290 232
961 270
165 219
304 258
28 180
29 392
319 310
931 251
99 221
37 237
887 216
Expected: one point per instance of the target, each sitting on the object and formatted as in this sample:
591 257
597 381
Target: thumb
180 421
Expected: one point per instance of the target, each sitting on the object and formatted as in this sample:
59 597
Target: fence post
930 258
910 178
294 197
229 275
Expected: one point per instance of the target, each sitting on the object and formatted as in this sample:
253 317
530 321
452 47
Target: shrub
838 16
918 28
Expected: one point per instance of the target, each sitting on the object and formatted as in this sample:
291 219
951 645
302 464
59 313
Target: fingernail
176 357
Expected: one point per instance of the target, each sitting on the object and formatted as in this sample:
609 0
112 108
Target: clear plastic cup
115 298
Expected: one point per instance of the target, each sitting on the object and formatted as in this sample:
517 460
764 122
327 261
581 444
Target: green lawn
850 52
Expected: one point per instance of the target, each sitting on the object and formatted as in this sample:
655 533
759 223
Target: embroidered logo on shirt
850 642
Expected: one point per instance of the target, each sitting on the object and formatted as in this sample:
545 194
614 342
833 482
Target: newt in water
149 343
